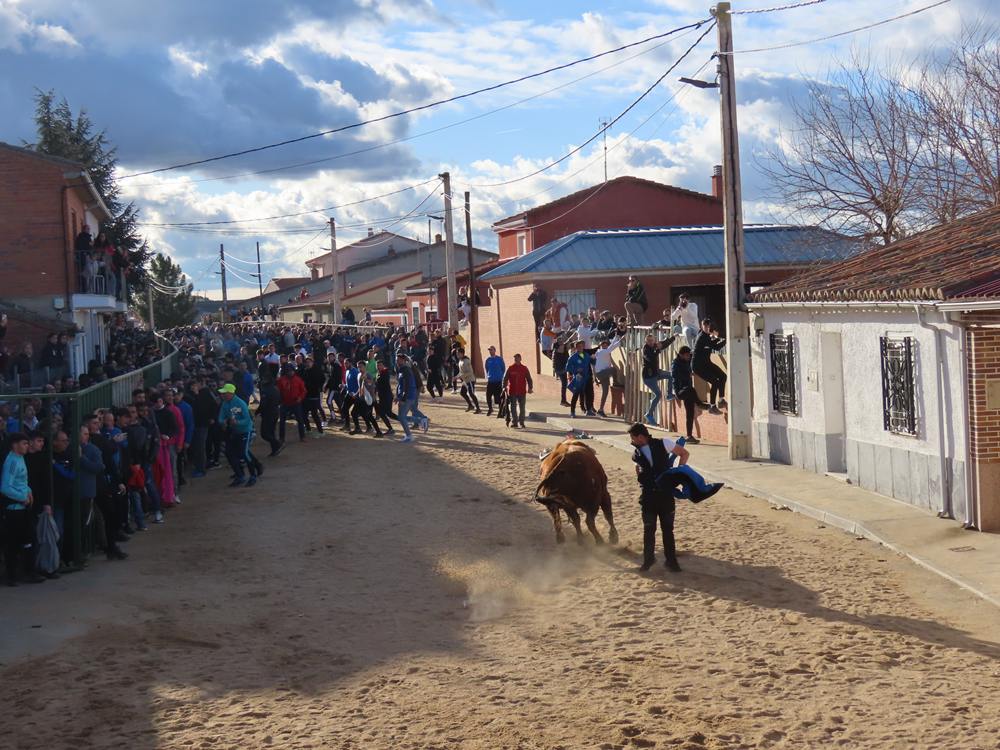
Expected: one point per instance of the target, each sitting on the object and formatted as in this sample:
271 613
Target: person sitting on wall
636 303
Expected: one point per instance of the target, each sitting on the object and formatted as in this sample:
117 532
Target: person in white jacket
604 369
468 377
686 316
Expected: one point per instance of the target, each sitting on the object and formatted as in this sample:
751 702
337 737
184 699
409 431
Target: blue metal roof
674 248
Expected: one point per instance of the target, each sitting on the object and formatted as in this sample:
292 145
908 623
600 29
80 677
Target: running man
235 415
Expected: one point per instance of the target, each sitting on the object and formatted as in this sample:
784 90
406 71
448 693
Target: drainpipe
946 505
971 508
69 263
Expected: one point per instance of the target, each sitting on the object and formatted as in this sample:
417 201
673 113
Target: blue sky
185 80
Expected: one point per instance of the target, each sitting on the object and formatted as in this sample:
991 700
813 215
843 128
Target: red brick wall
32 237
620 204
984 365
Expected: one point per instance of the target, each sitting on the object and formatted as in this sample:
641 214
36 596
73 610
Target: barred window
783 374
899 413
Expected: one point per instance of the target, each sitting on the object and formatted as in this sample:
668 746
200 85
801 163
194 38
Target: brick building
621 202
44 203
589 269
886 368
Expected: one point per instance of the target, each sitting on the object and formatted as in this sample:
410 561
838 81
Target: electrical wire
326 209
597 135
840 33
432 131
420 108
775 8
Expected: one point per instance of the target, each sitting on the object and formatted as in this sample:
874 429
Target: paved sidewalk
969 559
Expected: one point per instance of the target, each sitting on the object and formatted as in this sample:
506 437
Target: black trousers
434 381
585 396
216 437
563 383
657 506
469 394
313 408
109 506
383 411
712 374
19 540
268 427
360 409
690 398
300 420
493 388
238 452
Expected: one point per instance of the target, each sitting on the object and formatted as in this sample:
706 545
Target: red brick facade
622 202
983 355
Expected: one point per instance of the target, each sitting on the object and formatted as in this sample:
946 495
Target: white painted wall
860 330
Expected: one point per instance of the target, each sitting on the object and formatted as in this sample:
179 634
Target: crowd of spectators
101 265
231 383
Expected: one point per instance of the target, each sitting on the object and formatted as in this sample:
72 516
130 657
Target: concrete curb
848 525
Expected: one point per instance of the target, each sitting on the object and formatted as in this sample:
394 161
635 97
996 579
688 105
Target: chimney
391 292
371 232
314 273
437 239
717 181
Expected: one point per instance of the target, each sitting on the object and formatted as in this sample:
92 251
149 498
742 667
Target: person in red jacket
293 393
517 383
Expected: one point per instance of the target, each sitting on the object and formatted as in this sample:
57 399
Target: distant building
885 367
589 269
44 203
621 202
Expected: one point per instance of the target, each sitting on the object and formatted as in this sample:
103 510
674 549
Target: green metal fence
115 392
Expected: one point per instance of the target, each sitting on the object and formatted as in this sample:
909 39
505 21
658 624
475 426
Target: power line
775 8
432 131
419 108
597 135
840 33
326 209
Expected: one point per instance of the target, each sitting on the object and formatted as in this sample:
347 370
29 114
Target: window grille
899 412
783 374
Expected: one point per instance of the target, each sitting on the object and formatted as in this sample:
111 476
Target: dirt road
372 594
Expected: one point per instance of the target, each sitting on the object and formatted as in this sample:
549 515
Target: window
577 300
783 374
899 412
522 243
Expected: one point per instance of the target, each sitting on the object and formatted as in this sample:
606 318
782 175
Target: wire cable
840 33
326 209
775 8
598 134
422 107
432 131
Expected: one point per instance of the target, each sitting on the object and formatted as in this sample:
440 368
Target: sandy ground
372 594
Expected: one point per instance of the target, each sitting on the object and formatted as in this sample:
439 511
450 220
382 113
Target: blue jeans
151 491
653 384
135 500
405 408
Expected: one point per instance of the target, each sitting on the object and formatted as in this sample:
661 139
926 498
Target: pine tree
62 134
173 299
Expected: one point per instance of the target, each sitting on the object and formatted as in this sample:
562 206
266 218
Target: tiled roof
602 251
956 260
290 281
603 186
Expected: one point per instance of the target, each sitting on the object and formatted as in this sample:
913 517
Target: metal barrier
79 524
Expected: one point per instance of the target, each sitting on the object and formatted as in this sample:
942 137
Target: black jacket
270 401
704 345
205 408
315 379
680 371
651 357
649 472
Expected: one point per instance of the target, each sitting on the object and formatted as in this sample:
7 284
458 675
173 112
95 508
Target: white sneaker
407 439
158 518
177 499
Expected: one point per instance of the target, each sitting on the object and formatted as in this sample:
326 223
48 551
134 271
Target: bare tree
957 109
850 161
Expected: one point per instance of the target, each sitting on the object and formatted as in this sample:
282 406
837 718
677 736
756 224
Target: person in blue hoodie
18 520
495 368
578 367
235 415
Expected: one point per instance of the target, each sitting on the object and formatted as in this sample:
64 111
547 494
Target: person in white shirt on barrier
686 317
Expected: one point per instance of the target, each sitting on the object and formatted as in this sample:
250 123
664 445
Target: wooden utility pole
737 320
152 319
473 319
335 273
449 252
260 282
225 297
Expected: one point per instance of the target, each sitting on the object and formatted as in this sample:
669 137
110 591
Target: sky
179 81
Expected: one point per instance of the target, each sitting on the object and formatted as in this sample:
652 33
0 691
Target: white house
886 367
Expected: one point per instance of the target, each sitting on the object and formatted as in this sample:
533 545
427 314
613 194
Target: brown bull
573 480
